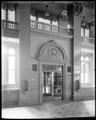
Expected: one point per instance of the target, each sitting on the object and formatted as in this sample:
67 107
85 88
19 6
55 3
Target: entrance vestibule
52 78
52 74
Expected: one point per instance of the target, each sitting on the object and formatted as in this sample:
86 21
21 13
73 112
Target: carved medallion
53 52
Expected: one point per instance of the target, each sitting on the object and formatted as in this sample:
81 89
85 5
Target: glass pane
10 25
57 79
86 78
55 23
11 77
82 31
47 83
11 15
86 68
82 58
47 27
11 62
47 89
33 24
11 51
54 29
86 58
87 32
82 67
4 51
32 17
44 20
3 14
82 77
40 26
58 83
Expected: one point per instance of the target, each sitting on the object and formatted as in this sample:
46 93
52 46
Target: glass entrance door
47 83
57 84
52 81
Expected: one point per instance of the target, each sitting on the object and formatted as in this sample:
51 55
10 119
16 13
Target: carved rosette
52 51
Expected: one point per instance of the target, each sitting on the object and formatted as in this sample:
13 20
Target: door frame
40 83
45 57
52 94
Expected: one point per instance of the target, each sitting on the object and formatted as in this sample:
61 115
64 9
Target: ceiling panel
56 8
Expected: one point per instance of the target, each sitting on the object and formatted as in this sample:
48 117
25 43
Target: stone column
24 36
76 50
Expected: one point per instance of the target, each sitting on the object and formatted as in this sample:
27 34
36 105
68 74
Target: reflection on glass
52 81
58 83
47 86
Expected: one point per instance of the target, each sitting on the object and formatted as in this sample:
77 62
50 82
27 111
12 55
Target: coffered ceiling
57 7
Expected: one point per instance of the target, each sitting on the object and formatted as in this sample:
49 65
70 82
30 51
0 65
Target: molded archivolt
52 50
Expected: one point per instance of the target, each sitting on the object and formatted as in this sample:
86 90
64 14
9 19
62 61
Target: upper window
41 26
85 69
32 17
82 31
44 20
3 14
55 23
11 15
55 26
87 32
49 23
10 63
9 12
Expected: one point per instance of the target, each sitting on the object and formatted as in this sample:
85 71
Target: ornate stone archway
53 54
52 51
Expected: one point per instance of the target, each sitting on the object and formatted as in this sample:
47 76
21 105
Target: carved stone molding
52 51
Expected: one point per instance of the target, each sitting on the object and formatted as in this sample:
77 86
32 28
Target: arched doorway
52 72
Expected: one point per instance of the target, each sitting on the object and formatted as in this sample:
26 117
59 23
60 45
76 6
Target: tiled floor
56 109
